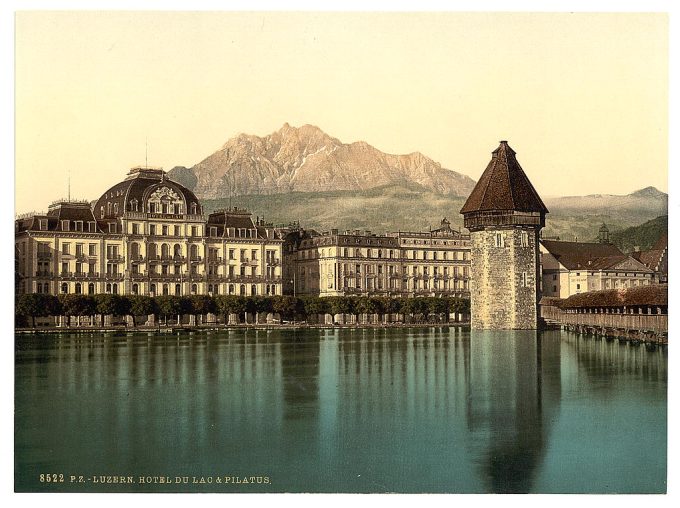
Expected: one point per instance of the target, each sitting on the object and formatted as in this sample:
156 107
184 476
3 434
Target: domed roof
141 186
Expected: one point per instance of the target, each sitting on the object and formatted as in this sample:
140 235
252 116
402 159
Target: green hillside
409 207
643 236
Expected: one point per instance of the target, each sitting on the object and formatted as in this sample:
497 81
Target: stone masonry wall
501 298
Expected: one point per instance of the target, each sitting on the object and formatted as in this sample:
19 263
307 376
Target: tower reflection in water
513 398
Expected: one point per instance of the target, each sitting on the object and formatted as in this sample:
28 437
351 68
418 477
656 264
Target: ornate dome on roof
147 190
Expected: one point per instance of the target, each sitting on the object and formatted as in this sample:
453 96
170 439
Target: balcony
44 255
213 260
137 258
44 273
114 276
196 259
115 258
79 275
273 262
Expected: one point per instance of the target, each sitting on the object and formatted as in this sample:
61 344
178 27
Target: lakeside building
146 235
353 262
570 268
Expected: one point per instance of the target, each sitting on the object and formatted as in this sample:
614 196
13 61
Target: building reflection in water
514 395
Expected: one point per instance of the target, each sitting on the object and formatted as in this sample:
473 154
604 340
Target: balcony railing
116 258
214 260
79 275
44 255
196 259
114 276
44 273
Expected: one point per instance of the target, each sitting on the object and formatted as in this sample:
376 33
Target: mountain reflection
514 395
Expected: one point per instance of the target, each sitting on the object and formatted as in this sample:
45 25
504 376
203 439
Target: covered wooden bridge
637 314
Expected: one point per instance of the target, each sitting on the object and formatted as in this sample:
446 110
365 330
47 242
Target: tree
141 306
77 305
438 306
315 305
114 305
231 304
363 305
36 305
261 304
169 306
340 305
202 305
287 306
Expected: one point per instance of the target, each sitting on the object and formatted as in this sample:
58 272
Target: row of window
163 289
389 254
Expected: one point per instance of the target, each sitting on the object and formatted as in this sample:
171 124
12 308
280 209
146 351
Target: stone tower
504 214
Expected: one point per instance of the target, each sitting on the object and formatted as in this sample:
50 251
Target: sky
581 97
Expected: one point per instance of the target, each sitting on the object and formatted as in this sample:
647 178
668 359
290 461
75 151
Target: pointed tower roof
504 186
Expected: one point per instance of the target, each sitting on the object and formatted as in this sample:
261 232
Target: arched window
115 208
178 289
253 289
177 250
79 288
135 289
151 251
134 205
231 289
216 289
108 287
242 290
134 250
39 290
165 251
194 289
64 287
90 288
108 208
115 288
152 289
194 252
166 290
273 289
193 208
101 212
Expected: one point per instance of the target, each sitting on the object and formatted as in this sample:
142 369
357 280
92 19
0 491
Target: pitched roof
504 186
575 255
649 258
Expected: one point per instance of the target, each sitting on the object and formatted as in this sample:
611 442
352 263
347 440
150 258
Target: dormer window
115 208
79 225
213 231
65 225
91 227
134 205
193 208
112 227
42 224
102 212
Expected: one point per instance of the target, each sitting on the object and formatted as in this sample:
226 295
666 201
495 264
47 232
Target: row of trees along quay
105 310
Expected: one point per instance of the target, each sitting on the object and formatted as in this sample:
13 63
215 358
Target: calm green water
366 410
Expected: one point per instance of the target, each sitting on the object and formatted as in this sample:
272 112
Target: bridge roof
652 295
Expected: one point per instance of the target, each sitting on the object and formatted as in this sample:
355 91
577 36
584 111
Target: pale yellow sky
582 98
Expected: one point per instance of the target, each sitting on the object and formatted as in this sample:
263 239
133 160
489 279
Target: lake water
365 410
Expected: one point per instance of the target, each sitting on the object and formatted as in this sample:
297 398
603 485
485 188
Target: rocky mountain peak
307 159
